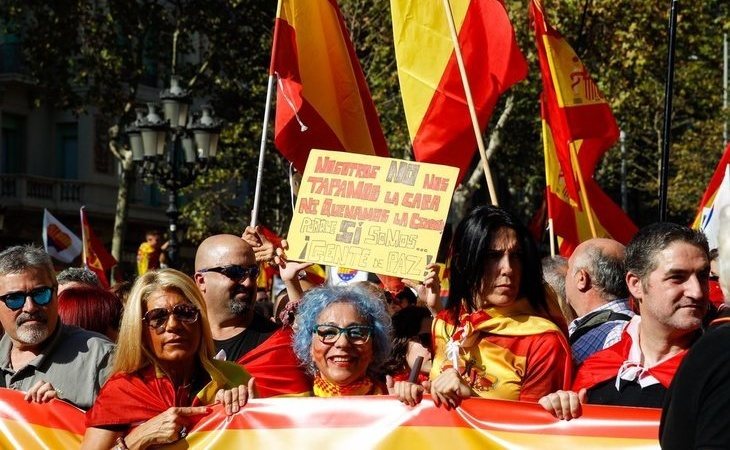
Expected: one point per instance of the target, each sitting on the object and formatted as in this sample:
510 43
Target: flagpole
262 152
83 236
470 103
551 233
265 126
666 137
583 194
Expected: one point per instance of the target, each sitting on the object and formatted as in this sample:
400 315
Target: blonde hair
132 354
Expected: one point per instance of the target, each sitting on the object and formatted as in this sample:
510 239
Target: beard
241 301
32 333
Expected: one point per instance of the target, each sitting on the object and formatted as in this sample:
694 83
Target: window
12 144
67 151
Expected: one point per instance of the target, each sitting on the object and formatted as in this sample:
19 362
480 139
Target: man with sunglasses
38 352
225 272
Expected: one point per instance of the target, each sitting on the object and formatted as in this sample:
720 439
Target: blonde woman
164 373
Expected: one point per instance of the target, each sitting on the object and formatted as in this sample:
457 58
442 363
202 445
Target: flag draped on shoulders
575 118
96 258
322 99
433 95
59 242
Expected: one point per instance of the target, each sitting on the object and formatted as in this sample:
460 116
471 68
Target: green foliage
98 54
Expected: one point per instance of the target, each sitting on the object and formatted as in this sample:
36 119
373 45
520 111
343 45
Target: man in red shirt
667 276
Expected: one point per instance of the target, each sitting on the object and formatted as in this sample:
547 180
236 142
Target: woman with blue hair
343 338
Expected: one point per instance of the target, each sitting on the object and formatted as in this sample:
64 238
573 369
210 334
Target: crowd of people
614 325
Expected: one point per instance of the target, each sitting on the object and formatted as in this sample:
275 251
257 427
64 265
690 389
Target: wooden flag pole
470 103
583 194
551 233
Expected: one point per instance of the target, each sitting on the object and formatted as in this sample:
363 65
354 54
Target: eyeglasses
15 300
356 334
234 271
157 318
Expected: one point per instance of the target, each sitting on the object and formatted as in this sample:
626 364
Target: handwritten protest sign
380 215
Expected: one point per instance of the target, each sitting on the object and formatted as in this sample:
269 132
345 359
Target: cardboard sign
380 215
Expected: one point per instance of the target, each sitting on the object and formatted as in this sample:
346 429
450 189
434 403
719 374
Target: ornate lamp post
172 151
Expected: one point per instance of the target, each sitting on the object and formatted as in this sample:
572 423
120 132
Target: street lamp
174 149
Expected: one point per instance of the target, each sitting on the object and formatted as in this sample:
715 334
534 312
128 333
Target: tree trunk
120 217
464 192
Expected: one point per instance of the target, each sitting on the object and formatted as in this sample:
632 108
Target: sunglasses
234 271
15 300
157 318
356 334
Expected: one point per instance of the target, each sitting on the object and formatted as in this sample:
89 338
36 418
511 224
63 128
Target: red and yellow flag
376 422
575 117
709 197
433 94
95 257
322 98
576 110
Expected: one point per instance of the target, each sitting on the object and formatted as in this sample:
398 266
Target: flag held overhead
322 99
59 242
433 95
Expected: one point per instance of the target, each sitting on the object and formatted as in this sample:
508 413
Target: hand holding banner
380 215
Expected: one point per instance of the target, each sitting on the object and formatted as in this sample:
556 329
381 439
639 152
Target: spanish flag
322 98
433 94
574 114
95 257
577 111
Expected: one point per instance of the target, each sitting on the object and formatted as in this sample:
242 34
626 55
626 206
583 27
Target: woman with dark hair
92 309
411 339
343 338
498 337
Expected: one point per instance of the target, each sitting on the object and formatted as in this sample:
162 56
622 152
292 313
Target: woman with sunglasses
164 371
343 338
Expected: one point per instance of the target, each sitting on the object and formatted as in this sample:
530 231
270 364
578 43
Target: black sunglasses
234 272
157 318
15 300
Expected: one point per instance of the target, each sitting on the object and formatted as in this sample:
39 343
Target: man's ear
199 281
582 280
636 289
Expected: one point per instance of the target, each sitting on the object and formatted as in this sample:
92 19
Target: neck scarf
364 386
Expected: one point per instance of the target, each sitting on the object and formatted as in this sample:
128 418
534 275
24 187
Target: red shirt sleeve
549 367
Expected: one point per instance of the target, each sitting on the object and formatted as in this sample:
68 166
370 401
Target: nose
696 287
505 264
29 305
342 340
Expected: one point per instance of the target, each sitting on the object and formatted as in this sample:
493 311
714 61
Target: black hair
469 253
406 326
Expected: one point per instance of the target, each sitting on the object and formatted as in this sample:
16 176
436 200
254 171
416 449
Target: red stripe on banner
493 64
56 414
492 415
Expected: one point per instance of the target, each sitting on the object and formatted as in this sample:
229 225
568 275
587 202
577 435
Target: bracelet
121 445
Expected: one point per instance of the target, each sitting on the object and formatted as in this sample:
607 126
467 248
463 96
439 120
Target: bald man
225 272
595 287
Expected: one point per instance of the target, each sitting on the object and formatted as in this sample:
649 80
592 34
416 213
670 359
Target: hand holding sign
380 215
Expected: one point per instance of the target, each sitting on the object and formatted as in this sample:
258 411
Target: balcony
55 194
